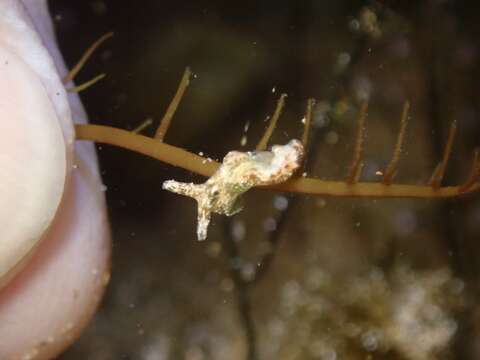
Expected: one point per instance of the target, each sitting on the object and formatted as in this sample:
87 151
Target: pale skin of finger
47 304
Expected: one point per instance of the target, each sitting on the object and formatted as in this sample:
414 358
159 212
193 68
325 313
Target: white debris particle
277 327
319 350
238 230
457 286
226 284
370 340
343 59
354 25
243 140
157 347
320 117
248 271
362 87
331 138
273 90
291 292
280 202
269 224
304 174
321 203
369 170
246 126
405 221
303 120
378 173
200 153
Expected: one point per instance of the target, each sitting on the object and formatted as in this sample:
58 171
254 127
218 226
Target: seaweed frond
81 63
350 187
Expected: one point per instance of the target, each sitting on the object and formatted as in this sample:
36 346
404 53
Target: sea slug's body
239 172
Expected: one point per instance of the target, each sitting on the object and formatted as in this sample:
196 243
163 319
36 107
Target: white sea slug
239 172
